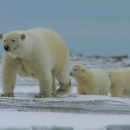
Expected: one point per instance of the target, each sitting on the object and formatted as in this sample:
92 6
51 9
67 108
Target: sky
89 27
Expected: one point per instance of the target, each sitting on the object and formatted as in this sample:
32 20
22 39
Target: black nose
6 48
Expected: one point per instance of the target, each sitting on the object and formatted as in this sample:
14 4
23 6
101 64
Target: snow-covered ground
68 112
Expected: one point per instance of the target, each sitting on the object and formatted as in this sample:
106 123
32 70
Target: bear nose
70 73
6 48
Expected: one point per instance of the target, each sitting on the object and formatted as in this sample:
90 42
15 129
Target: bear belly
22 73
26 70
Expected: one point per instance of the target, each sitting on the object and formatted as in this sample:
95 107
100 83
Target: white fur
41 54
120 82
90 82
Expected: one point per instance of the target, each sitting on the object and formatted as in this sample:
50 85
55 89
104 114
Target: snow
68 112
75 121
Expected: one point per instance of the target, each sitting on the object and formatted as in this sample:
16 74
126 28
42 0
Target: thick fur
40 53
90 82
120 82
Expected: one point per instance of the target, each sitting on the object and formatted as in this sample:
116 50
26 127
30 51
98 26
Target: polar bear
90 82
40 53
120 82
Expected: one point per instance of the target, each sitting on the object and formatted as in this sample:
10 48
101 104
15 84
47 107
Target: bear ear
1 35
82 70
23 36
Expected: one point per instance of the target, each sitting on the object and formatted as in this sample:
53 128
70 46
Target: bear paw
7 95
64 88
54 94
62 91
42 96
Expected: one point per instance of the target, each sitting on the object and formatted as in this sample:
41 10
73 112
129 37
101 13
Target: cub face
12 42
77 71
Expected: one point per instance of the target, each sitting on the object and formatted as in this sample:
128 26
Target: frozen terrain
68 112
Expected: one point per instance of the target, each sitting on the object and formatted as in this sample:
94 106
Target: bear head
12 42
78 71
113 75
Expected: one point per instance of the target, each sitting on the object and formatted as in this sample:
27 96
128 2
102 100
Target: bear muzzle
7 48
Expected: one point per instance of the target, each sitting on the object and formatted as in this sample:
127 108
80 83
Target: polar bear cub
90 82
40 53
120 82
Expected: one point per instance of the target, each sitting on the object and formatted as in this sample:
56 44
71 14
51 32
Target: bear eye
13 40
4 40
74 69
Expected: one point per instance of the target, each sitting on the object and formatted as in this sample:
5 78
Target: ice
68 112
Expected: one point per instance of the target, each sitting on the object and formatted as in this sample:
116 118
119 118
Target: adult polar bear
40 53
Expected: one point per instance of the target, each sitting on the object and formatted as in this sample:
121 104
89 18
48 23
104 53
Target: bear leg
90 90
64 80
8 81
116 91
54 89
45 85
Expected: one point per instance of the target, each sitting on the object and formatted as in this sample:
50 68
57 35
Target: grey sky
90 27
